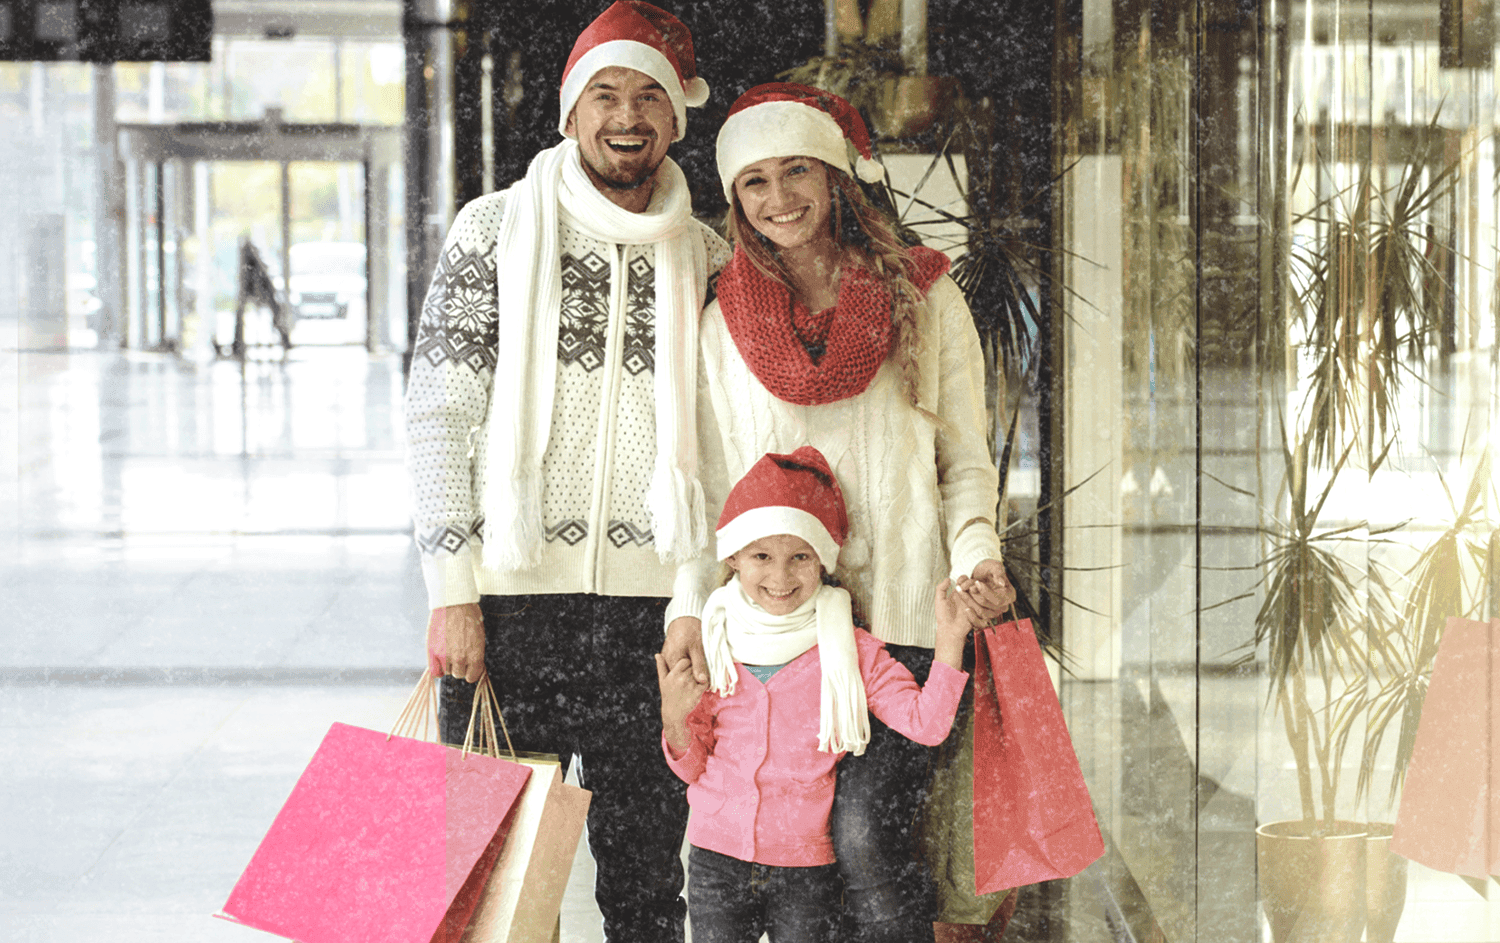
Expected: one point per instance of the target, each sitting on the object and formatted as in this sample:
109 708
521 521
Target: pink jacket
760 789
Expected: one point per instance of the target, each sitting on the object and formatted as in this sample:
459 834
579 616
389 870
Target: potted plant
1310 624
1367 300
1349 667
999 264
871 65
1447 579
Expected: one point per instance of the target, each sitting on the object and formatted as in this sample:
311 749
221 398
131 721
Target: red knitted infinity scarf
759 313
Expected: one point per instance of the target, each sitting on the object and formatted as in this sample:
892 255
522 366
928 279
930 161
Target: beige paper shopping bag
523 897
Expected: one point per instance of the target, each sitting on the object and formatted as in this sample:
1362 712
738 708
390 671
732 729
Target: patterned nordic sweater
602 444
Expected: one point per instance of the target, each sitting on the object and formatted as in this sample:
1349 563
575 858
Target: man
551 433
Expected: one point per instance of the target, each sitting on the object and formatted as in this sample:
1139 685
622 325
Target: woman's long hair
867 238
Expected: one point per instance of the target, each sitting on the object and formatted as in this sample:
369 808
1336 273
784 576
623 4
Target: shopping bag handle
1007 618
485 709
418 717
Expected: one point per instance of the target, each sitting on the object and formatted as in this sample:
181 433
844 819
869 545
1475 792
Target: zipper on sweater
609 411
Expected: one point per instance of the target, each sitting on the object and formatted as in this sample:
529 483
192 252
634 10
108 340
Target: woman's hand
680 692
989 593
455 642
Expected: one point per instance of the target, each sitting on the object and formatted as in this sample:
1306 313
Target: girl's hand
952 609
680 692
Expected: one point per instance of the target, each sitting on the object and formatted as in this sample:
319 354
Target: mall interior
1234 269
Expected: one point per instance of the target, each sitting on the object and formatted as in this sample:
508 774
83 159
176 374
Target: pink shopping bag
1033 818
384 839
1449 818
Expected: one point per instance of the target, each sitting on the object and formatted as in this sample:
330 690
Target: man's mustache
637 131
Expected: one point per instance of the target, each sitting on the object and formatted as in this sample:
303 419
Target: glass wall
47 263
1278 333
53 145
310 79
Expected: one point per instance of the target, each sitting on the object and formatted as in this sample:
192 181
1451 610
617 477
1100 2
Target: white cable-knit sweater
602 448
921 497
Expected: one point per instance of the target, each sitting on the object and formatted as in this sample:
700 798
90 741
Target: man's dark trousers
574 675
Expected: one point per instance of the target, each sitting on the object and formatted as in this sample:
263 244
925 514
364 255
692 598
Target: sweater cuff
947 678
690 604
684 767
450 578
690 589
975 544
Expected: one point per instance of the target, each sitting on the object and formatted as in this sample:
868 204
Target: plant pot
1312 880
1385 884
909 104
1330 884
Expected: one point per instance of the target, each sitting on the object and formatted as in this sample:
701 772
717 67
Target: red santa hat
786 494
639 36
781 119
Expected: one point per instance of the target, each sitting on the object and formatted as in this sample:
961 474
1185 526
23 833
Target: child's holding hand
680 693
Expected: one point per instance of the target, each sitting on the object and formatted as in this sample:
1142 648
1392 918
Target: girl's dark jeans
734 901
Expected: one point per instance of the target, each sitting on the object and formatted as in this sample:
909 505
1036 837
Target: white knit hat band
778 129
631 55
770 520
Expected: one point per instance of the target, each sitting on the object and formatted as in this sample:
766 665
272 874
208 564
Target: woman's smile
787 200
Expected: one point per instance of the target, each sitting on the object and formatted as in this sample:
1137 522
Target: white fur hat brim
776 129
642 58
769 520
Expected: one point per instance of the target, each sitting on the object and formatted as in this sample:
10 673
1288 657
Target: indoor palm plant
1347 645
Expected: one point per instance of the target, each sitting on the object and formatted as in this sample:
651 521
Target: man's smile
627 144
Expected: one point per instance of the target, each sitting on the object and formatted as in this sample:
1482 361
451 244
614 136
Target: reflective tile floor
201 568
204 564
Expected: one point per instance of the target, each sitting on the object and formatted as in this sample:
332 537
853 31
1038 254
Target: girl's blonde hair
867 236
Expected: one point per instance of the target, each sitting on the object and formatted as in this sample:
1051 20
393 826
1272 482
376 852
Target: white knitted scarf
557 191
735 629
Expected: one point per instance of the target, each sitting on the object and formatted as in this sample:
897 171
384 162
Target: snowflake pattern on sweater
640 321
585 310
458 315
606 361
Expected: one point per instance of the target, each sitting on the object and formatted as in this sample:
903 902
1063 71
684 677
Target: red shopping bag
1033 819
1449 818
384 838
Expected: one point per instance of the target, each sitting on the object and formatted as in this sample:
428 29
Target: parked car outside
327 278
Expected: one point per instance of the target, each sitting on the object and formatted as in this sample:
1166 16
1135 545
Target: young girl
791 682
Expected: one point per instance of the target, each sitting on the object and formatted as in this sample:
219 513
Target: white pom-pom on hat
695 91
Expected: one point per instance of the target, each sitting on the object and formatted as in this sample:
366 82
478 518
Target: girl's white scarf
556 190
735 629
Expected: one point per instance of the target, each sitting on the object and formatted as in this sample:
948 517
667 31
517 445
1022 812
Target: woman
828 331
